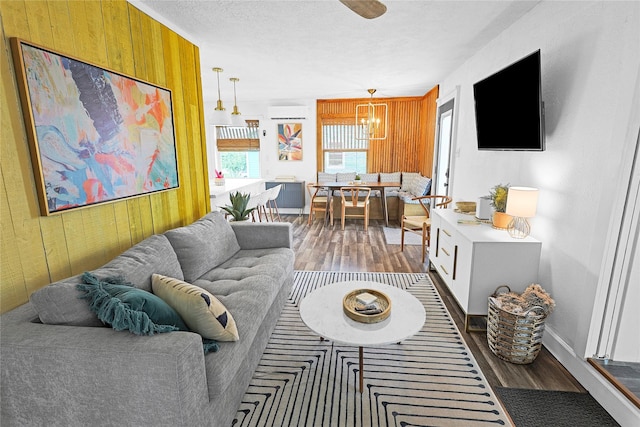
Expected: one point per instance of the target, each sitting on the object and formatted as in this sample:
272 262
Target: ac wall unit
288 112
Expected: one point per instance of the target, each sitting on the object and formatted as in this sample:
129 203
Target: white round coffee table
323 313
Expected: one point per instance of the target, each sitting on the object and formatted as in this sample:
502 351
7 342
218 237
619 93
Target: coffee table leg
360 353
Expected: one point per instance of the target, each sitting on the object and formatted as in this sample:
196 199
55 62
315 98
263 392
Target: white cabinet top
484 233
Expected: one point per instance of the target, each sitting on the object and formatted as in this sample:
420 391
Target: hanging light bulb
236 117
220 116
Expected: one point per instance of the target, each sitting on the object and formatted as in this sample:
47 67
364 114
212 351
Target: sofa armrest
263 235
75 375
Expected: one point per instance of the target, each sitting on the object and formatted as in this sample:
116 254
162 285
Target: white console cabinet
473 260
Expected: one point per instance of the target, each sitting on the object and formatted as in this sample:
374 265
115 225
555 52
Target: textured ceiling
285 50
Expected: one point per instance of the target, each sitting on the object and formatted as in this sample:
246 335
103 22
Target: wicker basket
516 338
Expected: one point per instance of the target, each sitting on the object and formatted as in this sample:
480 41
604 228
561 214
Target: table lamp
521 204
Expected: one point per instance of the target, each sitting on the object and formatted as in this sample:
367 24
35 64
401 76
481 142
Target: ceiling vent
288 113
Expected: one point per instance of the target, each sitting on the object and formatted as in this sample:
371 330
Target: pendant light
371 120
236 117
220 116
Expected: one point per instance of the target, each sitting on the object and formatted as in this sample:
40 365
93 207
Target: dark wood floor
320 248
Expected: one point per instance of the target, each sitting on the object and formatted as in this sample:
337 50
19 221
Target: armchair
421 224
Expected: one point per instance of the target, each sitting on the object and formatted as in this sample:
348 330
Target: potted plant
238 209
219 179
358 181
498 196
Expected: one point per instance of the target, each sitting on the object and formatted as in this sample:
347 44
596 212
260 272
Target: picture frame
95 135
289 141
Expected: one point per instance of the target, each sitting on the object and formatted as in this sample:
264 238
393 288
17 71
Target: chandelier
371 120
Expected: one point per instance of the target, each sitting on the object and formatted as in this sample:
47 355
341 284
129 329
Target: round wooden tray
349 303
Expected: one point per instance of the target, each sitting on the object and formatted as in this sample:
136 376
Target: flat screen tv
509 108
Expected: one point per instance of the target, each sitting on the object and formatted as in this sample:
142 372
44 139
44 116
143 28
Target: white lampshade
522 202
238 121
220 118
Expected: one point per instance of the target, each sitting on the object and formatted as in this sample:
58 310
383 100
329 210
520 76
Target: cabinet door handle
437 241
445 251
444 269
446 232
455 261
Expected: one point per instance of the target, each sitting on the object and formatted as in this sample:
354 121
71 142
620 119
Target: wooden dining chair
421 224
319 203
355 198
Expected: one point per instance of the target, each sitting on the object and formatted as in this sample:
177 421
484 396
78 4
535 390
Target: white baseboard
614 402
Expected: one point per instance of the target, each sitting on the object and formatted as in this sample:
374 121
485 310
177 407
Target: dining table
332 186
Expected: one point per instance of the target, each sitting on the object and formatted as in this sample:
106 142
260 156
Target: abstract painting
95 135
290 141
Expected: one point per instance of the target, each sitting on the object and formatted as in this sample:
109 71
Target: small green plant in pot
498 196
238 208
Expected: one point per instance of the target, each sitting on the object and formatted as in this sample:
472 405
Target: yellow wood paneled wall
410 136
36 250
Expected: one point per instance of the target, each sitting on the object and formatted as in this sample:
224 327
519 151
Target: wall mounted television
509 108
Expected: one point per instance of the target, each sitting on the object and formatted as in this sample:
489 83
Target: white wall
270 166
590 66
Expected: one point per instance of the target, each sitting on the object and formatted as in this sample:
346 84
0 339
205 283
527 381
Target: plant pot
501 220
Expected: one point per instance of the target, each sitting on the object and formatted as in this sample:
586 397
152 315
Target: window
345 161
342 152
240 164
239 150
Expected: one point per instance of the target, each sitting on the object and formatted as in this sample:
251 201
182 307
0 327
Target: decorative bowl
349 303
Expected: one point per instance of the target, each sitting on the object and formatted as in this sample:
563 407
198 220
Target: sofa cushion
407 180
390 177
276 263
421 186
201 311
59 302
369 177
136 265
203 245
251 301
345 176
124 307
326 177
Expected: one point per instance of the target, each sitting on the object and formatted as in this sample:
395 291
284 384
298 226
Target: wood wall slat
201 138
408 133
63 39
116 35
19 184
172 74
14 290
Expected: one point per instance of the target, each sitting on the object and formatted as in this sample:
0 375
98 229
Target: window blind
340 134
230 138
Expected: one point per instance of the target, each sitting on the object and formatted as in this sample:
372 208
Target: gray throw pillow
407 180
420 186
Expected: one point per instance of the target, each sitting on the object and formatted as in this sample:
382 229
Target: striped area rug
430 379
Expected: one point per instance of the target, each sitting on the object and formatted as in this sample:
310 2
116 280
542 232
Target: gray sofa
60 366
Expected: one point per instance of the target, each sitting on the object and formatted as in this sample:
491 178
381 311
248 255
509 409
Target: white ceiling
298 49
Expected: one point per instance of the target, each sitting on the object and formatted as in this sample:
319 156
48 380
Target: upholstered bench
399 200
